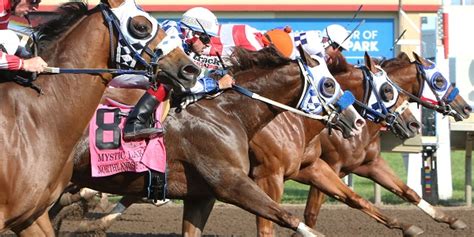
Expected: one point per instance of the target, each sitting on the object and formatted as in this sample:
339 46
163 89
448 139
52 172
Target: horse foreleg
320 175
273 186
44 222
380 172
195 215
313 206
39 228
106 221
235 187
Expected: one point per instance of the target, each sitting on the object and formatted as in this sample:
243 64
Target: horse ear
113 3
418 58
369 63
306 58
403 56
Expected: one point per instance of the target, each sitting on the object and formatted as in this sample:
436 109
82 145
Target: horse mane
266 58
66 15
339 64
402 59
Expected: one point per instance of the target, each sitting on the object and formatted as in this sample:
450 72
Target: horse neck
283 85
406 76
351 79
74 97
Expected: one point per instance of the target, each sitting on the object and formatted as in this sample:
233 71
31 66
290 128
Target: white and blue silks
204 84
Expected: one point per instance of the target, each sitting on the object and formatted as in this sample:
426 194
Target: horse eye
386 92
328 88
139 28
439 83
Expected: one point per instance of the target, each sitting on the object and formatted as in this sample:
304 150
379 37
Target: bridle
379 114
442 103
113 24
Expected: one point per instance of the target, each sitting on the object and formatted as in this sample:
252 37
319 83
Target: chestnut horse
208 145
38 133
366 160
287 148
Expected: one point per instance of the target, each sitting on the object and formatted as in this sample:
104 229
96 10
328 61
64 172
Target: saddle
110 154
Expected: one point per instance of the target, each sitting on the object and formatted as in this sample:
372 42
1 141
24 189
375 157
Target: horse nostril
467 109
191 71
414 126
359 123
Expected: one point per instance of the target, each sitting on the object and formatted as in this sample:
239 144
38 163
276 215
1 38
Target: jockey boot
140 122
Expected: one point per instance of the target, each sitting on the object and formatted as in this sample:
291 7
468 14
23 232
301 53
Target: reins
421 76
112 23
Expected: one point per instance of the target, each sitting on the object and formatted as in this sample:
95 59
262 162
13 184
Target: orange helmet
281 40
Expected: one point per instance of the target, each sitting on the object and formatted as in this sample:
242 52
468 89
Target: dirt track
335 220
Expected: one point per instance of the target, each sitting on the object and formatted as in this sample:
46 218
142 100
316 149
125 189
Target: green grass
297 193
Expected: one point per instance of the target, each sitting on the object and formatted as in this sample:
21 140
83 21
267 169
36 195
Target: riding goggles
205 39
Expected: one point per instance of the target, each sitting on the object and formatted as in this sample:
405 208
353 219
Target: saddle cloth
110 154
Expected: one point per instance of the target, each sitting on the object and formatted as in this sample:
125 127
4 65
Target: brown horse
208 146
288 148
366 161
38 133
270 169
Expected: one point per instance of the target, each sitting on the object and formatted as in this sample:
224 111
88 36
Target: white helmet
311 42
336 34
207 19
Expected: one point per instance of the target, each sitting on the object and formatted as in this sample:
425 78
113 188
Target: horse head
168 63
392 103
129 38
446 94
423 82
343 116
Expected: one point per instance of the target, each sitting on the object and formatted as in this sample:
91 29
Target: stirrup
143 133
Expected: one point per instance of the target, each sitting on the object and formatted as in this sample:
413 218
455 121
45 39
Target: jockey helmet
335 34
311 43
281 40
196 17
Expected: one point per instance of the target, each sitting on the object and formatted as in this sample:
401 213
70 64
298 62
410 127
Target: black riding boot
140 122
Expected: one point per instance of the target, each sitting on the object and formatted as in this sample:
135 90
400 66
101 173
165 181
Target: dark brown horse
269 169
367 161
208 146
38 133
288 148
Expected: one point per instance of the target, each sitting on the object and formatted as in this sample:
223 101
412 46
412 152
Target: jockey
9 41
315 43
193 32
335 37
196 29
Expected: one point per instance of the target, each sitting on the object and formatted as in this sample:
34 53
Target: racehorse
368 162
287 148
208 145
38 133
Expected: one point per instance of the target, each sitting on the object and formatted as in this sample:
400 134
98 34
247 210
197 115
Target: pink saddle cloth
110 154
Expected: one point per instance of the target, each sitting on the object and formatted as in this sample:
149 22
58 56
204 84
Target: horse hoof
458 225
413 231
